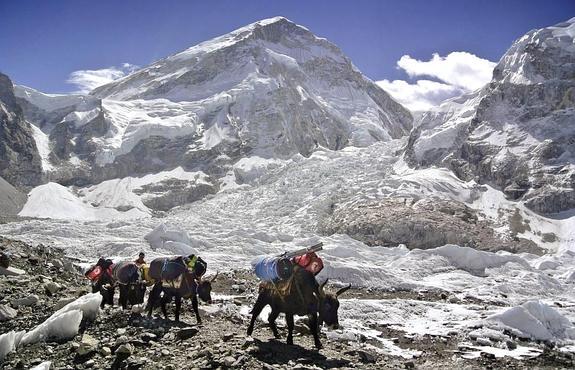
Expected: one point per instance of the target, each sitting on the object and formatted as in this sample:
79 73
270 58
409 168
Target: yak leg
195 307
108 295
258 307
123 300
167 298
313 323
178 306
153 298
289 321
272 321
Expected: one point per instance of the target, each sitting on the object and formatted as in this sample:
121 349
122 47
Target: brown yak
300 295
189 285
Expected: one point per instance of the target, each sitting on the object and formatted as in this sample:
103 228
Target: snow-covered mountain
518 132
271 89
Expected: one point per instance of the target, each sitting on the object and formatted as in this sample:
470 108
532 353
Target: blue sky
43 42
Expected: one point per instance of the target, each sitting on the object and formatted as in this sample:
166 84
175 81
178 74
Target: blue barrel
272 269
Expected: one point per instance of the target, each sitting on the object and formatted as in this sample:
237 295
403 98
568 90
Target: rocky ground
124 339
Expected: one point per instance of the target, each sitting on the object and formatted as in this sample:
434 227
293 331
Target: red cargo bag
310 262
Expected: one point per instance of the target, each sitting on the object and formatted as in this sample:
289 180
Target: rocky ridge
20 163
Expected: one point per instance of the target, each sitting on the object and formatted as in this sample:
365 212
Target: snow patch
65 322
535 320
55 201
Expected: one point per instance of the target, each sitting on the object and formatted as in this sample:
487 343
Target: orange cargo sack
310 262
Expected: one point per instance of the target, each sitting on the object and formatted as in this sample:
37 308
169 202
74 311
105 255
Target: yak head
328 306
204 288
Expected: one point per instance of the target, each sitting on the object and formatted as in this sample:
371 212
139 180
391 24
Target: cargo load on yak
171 269
103 266
126 272
280 268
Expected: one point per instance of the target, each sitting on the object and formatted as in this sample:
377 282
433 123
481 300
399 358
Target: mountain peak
539 55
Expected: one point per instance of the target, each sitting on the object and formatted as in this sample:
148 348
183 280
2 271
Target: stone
57 263
366 357
146 337
89 363
165 352
52 287
121 331
7 313
69 266
88 345
125 349
186 333
229 361
228 336
11 271
122 339
30 300
248 342
106 352
62 302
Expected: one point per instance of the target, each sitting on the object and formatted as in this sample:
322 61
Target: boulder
11 271
7 313
30 300
87 346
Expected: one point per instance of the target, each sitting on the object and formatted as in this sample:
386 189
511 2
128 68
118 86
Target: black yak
172 277
300 295
125 274
102 281
128 276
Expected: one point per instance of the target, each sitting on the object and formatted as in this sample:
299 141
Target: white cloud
88 80
459 72
458 68
422 95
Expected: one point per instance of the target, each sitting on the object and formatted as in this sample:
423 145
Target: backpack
310 262
198 266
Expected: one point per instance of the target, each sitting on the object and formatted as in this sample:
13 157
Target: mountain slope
517 133
20 163
271 89
11 199
273 86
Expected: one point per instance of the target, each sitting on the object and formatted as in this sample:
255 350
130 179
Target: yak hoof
290 341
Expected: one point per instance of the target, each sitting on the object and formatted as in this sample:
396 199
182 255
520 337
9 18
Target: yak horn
323 284
215 276
342 290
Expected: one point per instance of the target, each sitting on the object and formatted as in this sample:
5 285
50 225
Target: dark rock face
11 199
423 224
168 194
20 163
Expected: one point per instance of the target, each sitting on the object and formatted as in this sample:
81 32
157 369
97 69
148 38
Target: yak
127 276
104 283
172 277
300 295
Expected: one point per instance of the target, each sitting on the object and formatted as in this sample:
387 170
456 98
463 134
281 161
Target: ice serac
20 163
272 88
518 132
